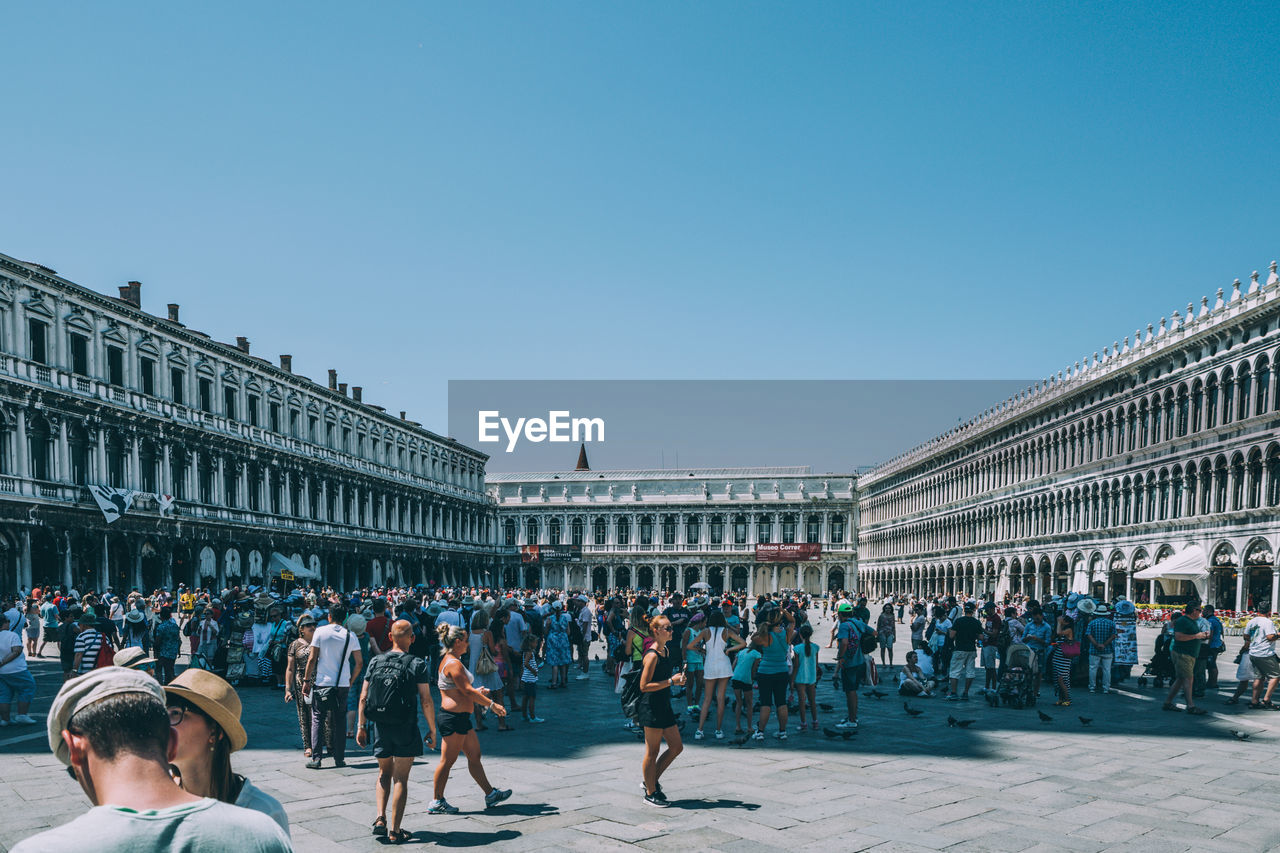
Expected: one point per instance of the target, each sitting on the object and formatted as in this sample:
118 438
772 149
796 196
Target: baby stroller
1018 681
1161 666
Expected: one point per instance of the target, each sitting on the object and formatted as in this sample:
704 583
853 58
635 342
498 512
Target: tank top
637 647
774 659
444 681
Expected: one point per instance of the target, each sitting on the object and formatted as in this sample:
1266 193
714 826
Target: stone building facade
670 529
266 469
1166 440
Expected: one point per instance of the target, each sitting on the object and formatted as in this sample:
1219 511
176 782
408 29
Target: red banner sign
794 552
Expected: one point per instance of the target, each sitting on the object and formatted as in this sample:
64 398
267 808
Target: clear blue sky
413 192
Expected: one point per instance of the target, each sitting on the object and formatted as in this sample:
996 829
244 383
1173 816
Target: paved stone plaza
1137 779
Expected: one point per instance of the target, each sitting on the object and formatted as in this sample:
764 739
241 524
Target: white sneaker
582 677
719 735
759 735
23 718
698 735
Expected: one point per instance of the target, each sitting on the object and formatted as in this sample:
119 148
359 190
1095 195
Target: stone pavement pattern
1135 780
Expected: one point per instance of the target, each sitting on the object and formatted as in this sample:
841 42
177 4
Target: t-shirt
17 621
746 659
205 826
917 628
1258 629
329 640
1037 636
88 642
806 664
49 613
516 629
851 630
1186 625
9 639
967 630
379 628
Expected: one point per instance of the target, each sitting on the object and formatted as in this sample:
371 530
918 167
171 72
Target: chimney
356 392
402 417
242 344
173 312
286 363
333 379
132 294
342 388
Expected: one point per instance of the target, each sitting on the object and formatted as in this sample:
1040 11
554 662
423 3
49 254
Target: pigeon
831 733
740 741
825 707
1044 718
951 721
1239 735
915 712
875 693
1085 721
964 724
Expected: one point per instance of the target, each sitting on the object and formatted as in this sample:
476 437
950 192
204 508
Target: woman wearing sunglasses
205 711
654 710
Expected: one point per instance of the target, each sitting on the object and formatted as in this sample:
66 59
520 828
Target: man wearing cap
849 660
1101 636
112 730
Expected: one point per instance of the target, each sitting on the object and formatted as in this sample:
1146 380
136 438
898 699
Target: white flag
165 502
113 502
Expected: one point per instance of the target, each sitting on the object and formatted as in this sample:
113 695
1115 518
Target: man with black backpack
396 684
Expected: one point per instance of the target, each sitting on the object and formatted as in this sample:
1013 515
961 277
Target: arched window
600 531
1262 384
554 530
1273 476
531 532
1228 394
1244 384
1211 402
1182 411
1254 491
576 532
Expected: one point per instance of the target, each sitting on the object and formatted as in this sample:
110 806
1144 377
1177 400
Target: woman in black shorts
654 711
458 700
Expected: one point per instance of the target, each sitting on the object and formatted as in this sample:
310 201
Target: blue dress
558 653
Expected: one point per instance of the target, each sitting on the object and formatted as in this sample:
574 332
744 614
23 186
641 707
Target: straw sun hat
215 698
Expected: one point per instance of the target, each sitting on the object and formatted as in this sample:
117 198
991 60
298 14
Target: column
101 456
66 560
1039 585
751 579
1128 584
1275 588
773 581
137 570
132 477
21 450
64 453
106 563
24 561
1151 591
166 469
1242 577
564 574
219 484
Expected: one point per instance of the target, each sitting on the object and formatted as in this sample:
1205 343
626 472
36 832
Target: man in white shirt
451 615
1262 635
332 646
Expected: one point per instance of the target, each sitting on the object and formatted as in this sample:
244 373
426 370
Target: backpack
106 654
868 642
390 689
575 632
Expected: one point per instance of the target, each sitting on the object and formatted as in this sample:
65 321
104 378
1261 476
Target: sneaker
582 677
536 720
654 800
759 735
314 764
693 709
804 727
719 735
697 735
496 796
657 791
442 807
24 718
781 735
1091 690
953 698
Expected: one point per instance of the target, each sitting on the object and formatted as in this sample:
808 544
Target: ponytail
806 631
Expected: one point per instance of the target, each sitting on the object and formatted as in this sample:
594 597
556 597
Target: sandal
1232 701
1256 706
380 825
1197 712
399 836
1170 708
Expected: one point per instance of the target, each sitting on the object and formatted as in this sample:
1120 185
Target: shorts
1268 667
453 723
17 687
693 666
397 740
989 657
740 685
773 689
1184 666
962 664
51 635
529 688
851 677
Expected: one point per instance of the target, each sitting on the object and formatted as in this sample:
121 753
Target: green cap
844 607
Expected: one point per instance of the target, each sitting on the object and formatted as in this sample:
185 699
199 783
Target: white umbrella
701 585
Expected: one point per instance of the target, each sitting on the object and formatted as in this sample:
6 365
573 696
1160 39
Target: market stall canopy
281 563
1190 564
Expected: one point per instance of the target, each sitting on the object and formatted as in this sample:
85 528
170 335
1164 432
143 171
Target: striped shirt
88 643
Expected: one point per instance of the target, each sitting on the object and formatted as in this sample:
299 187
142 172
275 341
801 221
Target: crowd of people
362 665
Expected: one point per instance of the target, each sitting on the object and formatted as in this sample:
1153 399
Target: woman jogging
458 699
654 711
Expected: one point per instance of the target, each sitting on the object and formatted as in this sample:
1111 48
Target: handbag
484 662
1071 650
325 698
